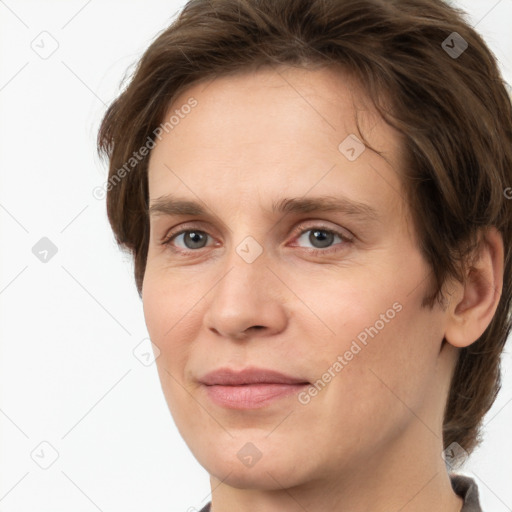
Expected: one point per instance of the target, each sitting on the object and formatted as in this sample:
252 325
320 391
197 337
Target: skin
371 439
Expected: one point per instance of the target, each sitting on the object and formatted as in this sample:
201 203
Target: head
243 104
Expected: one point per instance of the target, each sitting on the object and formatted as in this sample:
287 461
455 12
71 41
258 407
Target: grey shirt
467 489
464 486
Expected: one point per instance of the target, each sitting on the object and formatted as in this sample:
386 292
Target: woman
314 194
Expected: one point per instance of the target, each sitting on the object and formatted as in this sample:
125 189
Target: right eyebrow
167 205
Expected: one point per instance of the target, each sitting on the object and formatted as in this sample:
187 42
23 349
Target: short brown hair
452 110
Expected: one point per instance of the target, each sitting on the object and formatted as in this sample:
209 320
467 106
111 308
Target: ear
474 303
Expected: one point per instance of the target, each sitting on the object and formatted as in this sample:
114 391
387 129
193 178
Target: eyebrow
169 205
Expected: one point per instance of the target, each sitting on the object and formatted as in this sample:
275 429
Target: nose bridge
245 295
246 274
246 259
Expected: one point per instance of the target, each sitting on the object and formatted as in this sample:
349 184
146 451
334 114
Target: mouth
250 388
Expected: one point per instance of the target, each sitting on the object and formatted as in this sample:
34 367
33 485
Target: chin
261 477
272 471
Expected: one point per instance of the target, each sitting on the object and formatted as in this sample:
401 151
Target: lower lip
250 396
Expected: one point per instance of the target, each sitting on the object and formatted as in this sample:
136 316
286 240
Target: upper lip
253 375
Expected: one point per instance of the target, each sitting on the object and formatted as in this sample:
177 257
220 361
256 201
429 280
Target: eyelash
300 230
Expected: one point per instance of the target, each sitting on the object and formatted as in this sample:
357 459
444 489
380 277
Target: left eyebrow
326 204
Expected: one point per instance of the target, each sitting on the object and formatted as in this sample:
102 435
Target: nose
248 301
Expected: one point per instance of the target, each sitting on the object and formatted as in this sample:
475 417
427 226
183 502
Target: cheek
345 306
168 325
378 387
165 313
395 368
371 332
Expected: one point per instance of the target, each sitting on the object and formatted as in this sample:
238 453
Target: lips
227 377
250 388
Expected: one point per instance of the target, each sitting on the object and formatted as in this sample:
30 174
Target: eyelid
346 239
321 225
194 226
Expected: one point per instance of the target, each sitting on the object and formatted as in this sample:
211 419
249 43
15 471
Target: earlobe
479 296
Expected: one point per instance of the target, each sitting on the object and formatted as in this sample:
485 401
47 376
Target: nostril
245 333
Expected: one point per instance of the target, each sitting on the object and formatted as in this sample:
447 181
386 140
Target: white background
69 326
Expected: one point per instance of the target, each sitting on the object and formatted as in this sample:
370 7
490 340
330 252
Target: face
299 257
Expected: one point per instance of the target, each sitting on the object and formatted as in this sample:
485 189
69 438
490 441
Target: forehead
324 98
282 126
